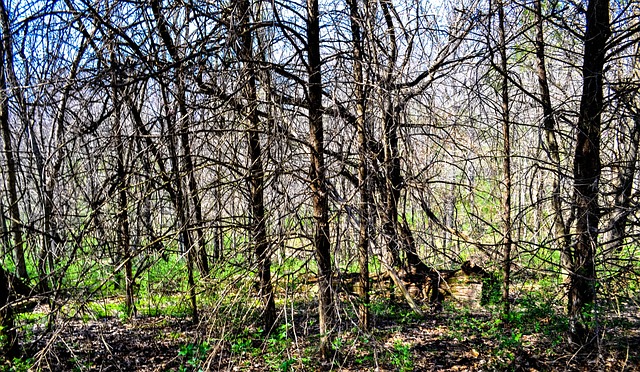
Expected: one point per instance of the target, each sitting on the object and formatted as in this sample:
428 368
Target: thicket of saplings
89 286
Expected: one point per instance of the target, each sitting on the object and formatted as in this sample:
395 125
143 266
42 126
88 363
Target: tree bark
363 169
549 124
122 182
506 163
318 181
393 180
586 172
257 224
627 168
6 66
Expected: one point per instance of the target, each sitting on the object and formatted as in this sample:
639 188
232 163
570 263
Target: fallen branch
403 289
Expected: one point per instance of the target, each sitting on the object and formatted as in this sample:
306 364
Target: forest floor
450 340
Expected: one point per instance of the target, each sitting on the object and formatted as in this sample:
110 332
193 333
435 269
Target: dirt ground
158 344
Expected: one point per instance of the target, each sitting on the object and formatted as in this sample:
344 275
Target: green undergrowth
228 301
534 321
16 365
192 356
384 310
273 350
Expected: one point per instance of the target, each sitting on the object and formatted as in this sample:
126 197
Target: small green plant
124 312
491 290
510 340
286 365
192 356
368 358
401 357
3 336
17 365
277 345
337 343
280 333
242 346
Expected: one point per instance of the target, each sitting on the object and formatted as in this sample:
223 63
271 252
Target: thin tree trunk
18 91
318 182
199 253
626 173
586 172
6 66
627 169
390 147
549 123
218 238
363 171
123 232
181 205
7 327
192 187
187 239
506 163
51 236
257 225
164 174
179 128
5 231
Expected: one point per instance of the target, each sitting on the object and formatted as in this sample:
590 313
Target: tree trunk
192 188
627 169
390 146
6 66
586 172
318 182
257 225
181 206
506 163
7 329
218 233
363 169
123 231
549 124
626 172
178 128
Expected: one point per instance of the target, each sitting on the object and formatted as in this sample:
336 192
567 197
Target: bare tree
6 71
258 223
178 123
506 162
561 227
363 168
626 169
122 185
586 172
317 171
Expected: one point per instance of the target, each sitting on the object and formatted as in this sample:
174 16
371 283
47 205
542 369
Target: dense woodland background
240 163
